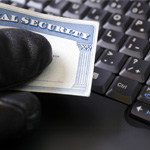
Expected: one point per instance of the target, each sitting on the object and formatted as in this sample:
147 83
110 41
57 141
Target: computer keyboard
122 62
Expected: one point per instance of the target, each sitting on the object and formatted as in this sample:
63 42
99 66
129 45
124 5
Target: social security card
73 44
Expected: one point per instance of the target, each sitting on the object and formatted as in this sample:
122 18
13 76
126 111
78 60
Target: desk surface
78 123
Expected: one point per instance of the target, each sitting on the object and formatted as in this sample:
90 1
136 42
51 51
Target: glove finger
23 55
19 112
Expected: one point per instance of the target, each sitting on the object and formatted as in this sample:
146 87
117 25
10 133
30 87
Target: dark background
79 123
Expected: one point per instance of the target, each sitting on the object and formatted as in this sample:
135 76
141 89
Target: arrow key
141 111
144 95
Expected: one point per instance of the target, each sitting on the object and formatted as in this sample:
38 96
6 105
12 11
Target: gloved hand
23 55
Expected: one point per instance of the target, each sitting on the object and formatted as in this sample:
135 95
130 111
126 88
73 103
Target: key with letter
124 90
112 40
140 29
118 22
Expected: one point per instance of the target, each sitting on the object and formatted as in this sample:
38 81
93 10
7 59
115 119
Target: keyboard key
18 5
56 7
100 32
76 1
112 40
22 2
147 58
139 10
76 11
136 69
5 1
99 51
135 47
148 81
117 6
34 9
139 28
124 90
96 3
141 111
37 5
111 60
97 15
101 80
144 95
118 22
120 36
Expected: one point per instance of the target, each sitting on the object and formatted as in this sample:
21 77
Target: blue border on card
24 21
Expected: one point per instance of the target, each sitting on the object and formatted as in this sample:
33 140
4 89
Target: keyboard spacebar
124 90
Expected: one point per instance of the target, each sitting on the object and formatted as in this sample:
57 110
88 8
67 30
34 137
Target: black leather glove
23 55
